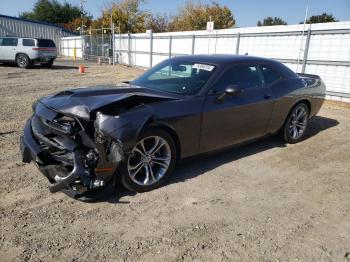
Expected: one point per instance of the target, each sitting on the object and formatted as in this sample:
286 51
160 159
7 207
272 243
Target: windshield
176 76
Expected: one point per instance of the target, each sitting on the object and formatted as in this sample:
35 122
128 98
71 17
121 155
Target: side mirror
230 91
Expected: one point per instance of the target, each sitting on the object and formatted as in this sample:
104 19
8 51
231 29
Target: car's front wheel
151 161
296 124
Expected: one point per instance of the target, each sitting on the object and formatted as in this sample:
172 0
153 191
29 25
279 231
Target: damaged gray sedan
85 140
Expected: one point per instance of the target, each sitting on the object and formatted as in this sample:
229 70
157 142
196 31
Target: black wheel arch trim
20 53
154 123
306 101
124 128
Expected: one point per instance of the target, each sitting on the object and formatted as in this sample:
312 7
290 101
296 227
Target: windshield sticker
203 67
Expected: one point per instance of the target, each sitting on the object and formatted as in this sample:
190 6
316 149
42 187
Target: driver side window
243 76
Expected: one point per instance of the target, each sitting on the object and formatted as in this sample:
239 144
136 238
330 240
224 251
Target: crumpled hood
81 102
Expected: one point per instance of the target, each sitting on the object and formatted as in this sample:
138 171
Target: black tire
47 64
294 128
23 61
125 176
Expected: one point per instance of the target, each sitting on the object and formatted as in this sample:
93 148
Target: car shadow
8 65
55 67
318 124
195 166
38 67
63 67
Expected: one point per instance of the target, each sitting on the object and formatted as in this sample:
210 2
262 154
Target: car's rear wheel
150 162
23 61
295 127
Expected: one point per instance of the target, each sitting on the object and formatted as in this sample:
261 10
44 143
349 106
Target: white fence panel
160 45
333 47
283 47
223 45
181 45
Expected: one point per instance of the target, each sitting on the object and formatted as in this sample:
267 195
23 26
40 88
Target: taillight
44 48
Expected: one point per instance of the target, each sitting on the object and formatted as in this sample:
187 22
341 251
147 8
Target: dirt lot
266 201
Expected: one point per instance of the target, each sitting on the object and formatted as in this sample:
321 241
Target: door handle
267 96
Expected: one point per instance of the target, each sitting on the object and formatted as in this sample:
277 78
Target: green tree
126 15
194 16
271 21
323 18
52 11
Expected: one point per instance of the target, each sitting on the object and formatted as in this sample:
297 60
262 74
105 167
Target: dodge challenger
86 140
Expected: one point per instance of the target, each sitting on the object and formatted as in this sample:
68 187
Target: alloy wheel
22 60
149 160
298 122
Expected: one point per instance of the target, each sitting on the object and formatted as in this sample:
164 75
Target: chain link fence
98 44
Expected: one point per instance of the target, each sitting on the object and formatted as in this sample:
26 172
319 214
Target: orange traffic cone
81 69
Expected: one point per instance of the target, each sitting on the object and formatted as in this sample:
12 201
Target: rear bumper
44 59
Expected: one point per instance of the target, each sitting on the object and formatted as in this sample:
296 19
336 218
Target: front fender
125 127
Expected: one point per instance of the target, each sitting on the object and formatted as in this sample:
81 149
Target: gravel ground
262 202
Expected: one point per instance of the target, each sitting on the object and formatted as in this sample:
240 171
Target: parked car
84 139
27 51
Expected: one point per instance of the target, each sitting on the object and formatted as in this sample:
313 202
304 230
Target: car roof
223 58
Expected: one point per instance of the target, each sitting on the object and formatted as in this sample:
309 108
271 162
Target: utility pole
113 44
302 36
113 35
102 41
209 31
82 2
111 18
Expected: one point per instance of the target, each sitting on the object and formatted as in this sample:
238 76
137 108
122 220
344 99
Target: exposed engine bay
78 146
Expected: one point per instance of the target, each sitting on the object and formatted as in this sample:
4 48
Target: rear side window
270 75
9 42
46 43
244 76
28 42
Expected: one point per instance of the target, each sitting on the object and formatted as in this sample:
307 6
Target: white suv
27 51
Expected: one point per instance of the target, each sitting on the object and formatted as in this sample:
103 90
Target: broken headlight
64 124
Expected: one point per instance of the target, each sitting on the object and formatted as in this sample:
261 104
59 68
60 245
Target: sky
246 12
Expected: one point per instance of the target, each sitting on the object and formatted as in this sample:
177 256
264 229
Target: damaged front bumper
74 164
